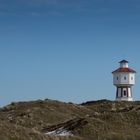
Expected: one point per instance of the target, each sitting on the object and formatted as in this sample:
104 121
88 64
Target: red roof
124 70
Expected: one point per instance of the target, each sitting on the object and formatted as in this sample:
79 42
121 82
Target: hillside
55 120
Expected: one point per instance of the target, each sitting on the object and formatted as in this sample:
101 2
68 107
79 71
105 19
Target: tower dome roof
124 61
124 70
124 67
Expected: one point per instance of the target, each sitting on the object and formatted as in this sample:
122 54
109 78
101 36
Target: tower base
124 93
124 99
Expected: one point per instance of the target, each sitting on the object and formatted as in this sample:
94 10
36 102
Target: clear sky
66 49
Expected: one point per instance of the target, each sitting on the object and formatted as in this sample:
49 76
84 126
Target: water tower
124 79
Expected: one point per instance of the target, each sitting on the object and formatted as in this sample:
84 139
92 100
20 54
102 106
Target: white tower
124 79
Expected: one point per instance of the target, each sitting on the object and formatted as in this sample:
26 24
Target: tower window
124 92
117 77
131 78
124 77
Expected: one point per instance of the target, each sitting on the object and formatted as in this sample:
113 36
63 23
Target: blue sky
66 49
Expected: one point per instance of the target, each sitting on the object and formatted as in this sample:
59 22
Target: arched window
124 77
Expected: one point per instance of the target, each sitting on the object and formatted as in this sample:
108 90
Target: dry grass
104 120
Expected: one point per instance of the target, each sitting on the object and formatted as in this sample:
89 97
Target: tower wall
124 65
124 79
